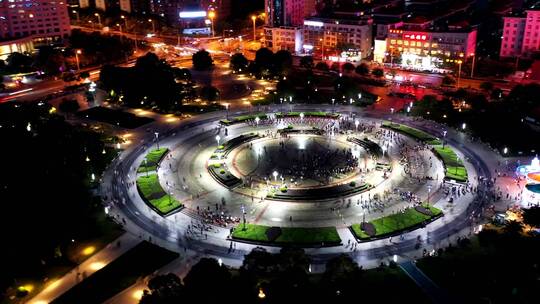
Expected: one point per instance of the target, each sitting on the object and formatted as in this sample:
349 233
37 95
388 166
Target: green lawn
289 235
306 114
152 192
243 118
396 222
152 159
418 134
454 166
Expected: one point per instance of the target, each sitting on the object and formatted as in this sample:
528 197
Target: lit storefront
425 50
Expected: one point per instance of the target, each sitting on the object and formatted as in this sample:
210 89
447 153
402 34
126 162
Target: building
426 49
43 20
21 45
521 35
338 39
284 21
284 38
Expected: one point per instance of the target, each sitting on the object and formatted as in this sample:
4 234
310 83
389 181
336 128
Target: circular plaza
316 180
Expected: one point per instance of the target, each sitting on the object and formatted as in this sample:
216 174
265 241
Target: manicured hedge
152 160
395 223
308 114
153 194
289 235
243 118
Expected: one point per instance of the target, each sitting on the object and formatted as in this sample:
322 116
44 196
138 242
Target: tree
348 67
513 228
207 273
448 80
84 75
362 69
306 62
263 59
202 60
164 289
378 72
486 86
19 62
238 62
69 106
51 60
531 216
321 66
209 93
282 60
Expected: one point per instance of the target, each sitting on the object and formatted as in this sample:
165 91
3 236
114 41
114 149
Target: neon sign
415 36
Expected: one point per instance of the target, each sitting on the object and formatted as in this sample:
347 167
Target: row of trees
151 82
47 204
499 122
278 278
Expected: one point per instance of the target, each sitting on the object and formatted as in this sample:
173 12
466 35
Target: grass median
454 166
288 235
152 159
415 133
396 222
152 192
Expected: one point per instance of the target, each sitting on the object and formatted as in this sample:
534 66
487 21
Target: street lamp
121 33
125 21
253 18
505 150
257 119
301 117
472 66
77 14
356 123
429 193
463 126
157 139
153 25
218 138
212 15
77 53
459 62
99 19
275 174
227 109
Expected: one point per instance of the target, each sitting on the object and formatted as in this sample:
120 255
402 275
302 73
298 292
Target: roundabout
274 179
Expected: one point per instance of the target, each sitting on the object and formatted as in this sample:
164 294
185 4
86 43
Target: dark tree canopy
238 62
202 60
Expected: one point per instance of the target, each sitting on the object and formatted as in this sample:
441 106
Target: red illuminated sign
415 36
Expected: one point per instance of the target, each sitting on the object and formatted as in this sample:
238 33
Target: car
450 199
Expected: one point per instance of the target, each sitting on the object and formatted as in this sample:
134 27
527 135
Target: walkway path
433 291
108 254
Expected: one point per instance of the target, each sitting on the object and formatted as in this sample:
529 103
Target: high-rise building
288 12
43 20
521 34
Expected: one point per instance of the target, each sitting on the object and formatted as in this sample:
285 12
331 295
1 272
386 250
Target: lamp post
125 21
444 138
218 138
459 62
356 123
253 18
301 117
227 109
121 33
77 53
153 25
99 19
157 139
77 15
275 174
429 193
212 15
473 62
257 119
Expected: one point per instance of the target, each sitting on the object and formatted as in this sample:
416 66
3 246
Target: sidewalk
87 268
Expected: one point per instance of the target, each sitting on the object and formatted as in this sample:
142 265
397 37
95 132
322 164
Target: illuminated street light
77 14
125 21
153 25
356 123
157 139
275 174
261 295
257 119
505 150
253 18
211 16
99 19
218 138
77 53
301 116
28 127
463 126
